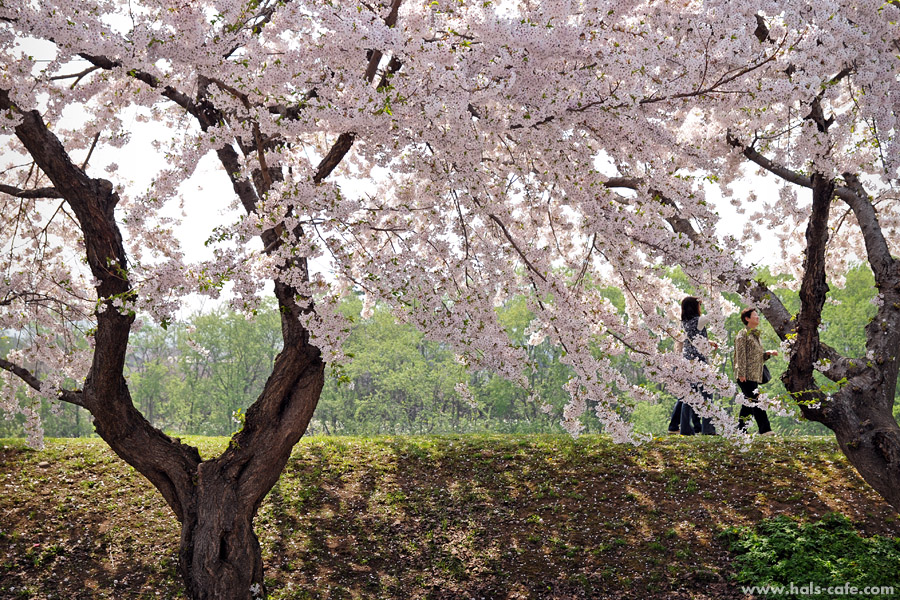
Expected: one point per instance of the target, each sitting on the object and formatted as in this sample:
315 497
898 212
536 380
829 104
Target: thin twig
91 151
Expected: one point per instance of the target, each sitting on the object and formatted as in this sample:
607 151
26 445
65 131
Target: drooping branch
678 223
75 397
834 366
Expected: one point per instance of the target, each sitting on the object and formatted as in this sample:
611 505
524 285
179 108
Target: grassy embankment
442 517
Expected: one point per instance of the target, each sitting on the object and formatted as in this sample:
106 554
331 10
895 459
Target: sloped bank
436 517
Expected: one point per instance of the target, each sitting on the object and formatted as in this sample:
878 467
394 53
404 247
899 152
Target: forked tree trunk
860 412
219 556
215 501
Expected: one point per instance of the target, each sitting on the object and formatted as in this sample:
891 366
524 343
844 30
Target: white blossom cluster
551 148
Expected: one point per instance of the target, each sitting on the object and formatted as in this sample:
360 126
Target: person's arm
740 356
702 322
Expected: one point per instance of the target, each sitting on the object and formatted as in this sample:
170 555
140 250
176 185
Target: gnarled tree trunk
216 500
860 412
220 554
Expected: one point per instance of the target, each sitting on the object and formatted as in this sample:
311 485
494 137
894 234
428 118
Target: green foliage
653 418
400 382
828 552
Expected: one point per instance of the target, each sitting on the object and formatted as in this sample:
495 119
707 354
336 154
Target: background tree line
199 378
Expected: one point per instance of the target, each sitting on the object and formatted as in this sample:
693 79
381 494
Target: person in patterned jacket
749 357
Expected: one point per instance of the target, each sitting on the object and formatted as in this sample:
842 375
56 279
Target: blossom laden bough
441 156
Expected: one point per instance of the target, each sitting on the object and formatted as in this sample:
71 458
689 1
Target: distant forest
198 377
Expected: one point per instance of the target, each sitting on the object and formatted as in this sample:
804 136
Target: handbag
767 377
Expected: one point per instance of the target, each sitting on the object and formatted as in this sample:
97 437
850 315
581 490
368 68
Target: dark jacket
693 328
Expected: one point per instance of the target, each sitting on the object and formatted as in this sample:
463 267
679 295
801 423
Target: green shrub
780 552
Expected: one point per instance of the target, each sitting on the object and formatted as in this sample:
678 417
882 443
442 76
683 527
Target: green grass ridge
483 516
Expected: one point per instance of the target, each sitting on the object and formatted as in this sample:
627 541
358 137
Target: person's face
700 306
753 320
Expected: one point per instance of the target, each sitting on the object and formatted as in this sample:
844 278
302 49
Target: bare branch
879 254
77 76
774 168
179 98
334 157
34 193
519 251
91 151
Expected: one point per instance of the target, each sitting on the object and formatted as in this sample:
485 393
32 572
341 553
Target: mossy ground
434 517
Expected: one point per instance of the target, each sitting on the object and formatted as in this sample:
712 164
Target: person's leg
762 420
743 417
707 428
748 388
675 420
696 423
687 419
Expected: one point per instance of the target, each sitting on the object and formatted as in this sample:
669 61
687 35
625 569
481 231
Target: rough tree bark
859 410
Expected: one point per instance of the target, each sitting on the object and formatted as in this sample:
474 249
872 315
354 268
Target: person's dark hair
690 308
745 314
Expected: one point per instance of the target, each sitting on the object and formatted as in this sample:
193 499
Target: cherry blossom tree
441 156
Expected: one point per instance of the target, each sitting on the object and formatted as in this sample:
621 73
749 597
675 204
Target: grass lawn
435 517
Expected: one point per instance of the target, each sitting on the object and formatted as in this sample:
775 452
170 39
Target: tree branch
879 254
71 396
90 152
334 157
781 320
518 250
159 458
768 165
813 291
257 136
35 193
375 59
179 98
76 76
